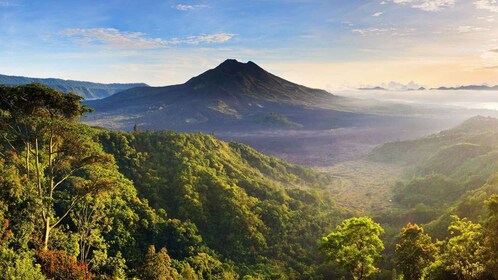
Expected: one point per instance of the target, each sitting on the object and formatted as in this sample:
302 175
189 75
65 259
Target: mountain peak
238 79
229 72
234 66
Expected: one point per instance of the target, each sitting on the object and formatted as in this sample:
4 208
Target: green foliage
490 233
355 245
19 266
430 190
157 266
414 252
74 204
262 205
462 254
448 159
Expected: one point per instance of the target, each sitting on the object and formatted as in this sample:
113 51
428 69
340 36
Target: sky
327 44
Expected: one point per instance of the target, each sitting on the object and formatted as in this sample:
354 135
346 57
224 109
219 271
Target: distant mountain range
470 87
233 96
399 87
395 86
386 89
88 90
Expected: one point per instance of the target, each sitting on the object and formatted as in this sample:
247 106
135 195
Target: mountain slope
88 90
451 172
256 210
232 96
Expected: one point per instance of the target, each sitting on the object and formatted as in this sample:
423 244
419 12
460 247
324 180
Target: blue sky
327 44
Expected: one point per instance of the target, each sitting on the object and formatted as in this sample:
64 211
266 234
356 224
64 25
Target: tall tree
158 265
354 245
58 156
490 232
462 255
414 252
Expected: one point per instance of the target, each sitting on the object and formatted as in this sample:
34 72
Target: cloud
115 38
468 29
391 31
493 51
490 5
184 7
372 31
208 39
488 18
378 14
427 5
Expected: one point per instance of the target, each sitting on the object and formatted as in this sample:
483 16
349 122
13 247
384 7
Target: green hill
445 173
269 212
78 202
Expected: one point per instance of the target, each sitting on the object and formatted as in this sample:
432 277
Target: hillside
444 172
123 205
88 90
482 131
264 204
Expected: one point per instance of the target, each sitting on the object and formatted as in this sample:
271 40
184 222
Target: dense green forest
80 202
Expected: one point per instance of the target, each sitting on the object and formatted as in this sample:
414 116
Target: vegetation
75 201
78 202
414 252
354 246
276 120
88 90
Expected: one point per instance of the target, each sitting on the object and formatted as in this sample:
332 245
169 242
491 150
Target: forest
81 202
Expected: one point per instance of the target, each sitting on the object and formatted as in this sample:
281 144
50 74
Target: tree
57 156
354 246
414 252
490 232
463 254
158 265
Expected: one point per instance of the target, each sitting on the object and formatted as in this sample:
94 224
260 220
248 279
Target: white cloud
115 38
207 39
378 14
427 5
490 5
488 18
373 31
184 7
391 31
468 29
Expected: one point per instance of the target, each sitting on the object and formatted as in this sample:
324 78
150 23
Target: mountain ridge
88 90
468 87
